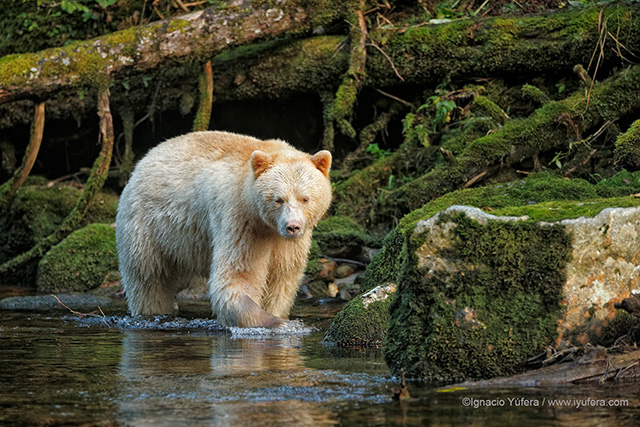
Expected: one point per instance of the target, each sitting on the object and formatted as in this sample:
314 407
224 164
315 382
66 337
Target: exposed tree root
128 157
8 190
347 94
203 115
368 134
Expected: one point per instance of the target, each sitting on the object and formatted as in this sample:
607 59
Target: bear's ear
322 161
260 162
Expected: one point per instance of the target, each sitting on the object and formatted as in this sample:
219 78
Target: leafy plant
376 151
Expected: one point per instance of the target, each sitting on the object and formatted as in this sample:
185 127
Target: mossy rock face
363 321
36 212
80 262
341 236
479 294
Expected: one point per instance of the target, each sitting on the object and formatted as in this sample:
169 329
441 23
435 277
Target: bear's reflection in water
186 379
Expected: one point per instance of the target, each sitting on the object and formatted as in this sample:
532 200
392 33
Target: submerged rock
479 294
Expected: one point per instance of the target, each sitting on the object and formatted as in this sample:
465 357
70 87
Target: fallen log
597 366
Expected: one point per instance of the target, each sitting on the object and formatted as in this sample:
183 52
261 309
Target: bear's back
215 145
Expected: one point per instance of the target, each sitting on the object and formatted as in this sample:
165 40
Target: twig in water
92 314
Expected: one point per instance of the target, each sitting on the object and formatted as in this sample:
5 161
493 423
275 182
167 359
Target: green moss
543 196
357 326
535 94
342 236
483 320
80 262
484 105
557 211
361 195
537 189
627 151
314 265
36 212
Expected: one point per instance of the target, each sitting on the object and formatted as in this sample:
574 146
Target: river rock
48 302
479 294
363 321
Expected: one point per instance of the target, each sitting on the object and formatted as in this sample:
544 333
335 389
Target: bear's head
293 189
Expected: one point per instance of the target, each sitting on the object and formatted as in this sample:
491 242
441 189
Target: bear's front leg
287 265
236 289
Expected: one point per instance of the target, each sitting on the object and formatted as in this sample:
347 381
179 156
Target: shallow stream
58 369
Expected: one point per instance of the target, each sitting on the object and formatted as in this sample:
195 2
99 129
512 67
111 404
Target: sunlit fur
200 207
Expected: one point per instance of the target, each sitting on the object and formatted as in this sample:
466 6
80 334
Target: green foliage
29 26
376 151
80 262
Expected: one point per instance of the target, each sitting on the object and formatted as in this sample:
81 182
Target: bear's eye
279 201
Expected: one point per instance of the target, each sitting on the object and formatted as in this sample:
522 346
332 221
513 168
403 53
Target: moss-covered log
200 34
553 125
423 55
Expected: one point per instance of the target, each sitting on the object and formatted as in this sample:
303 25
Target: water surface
57 369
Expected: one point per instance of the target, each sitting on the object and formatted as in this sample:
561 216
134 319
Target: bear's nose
293 228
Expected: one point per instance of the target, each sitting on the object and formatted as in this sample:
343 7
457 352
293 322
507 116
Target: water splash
288 328
150 322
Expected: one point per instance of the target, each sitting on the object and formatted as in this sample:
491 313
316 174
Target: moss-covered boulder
341 236
479 293
36 212
363 321
80 262
543 198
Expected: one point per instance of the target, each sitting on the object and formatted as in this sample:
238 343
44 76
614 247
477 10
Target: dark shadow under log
94 184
